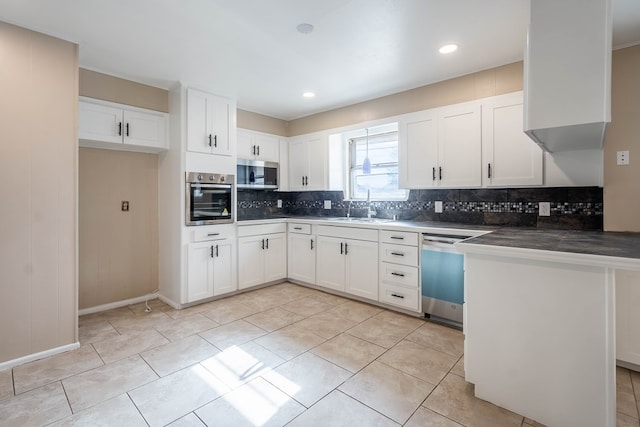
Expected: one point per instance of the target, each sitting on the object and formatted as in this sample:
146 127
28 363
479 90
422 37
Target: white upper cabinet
208 123
510 157
258 146
419 150
307 163
567 74
113 126
459 146
441 147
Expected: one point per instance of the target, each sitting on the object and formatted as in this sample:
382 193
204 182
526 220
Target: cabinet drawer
299 228
400 296
214 232
399 254
256 230
369 234
399 275
399 237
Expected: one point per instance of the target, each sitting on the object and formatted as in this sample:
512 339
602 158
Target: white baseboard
169 302
35 356
117 304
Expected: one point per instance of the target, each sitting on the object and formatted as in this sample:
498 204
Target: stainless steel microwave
209 199
257 174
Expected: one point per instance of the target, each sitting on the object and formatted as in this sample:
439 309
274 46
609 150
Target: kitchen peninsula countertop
623 247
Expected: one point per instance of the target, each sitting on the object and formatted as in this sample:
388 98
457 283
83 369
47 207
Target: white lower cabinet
211 269
348 264
262 257
399 269
301 253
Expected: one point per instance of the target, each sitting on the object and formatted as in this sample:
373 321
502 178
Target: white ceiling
250 49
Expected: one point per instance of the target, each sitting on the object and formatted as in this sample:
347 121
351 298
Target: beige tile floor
282 355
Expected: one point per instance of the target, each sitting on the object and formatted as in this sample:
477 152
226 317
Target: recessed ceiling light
448 48
308 94
305 28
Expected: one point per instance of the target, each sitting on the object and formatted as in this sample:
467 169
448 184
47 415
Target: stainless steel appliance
257 174
210 198
442 275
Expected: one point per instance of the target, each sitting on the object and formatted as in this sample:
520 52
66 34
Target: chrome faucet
370 212
349 209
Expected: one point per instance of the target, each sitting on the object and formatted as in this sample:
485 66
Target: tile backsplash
577 208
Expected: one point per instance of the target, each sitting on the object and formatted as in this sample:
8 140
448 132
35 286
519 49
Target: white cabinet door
208 123
362 268
331 263
224 267
100 123
317 168
199 271
250 261
459 146
302 257
511 158
245 144
628 316
144 129
419 150
298 164
267 148
275 257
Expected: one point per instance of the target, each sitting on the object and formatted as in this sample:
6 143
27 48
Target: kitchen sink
361 220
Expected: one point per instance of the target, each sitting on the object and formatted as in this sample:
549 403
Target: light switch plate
438 207
544 208
327 204
622 158
279 203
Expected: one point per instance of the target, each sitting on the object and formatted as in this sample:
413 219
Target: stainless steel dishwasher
442 276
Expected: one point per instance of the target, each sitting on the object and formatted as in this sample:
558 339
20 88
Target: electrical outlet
327 204
279 203
544 209
124 206
622 158
438 207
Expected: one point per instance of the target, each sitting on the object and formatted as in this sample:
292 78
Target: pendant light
366 165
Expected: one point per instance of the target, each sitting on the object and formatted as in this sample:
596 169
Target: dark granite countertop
601 243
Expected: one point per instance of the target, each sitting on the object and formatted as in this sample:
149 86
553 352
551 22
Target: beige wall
38 189
261 123
114 89
118 250
495 81
622 183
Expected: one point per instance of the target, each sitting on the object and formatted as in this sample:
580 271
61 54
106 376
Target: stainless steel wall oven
210 198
